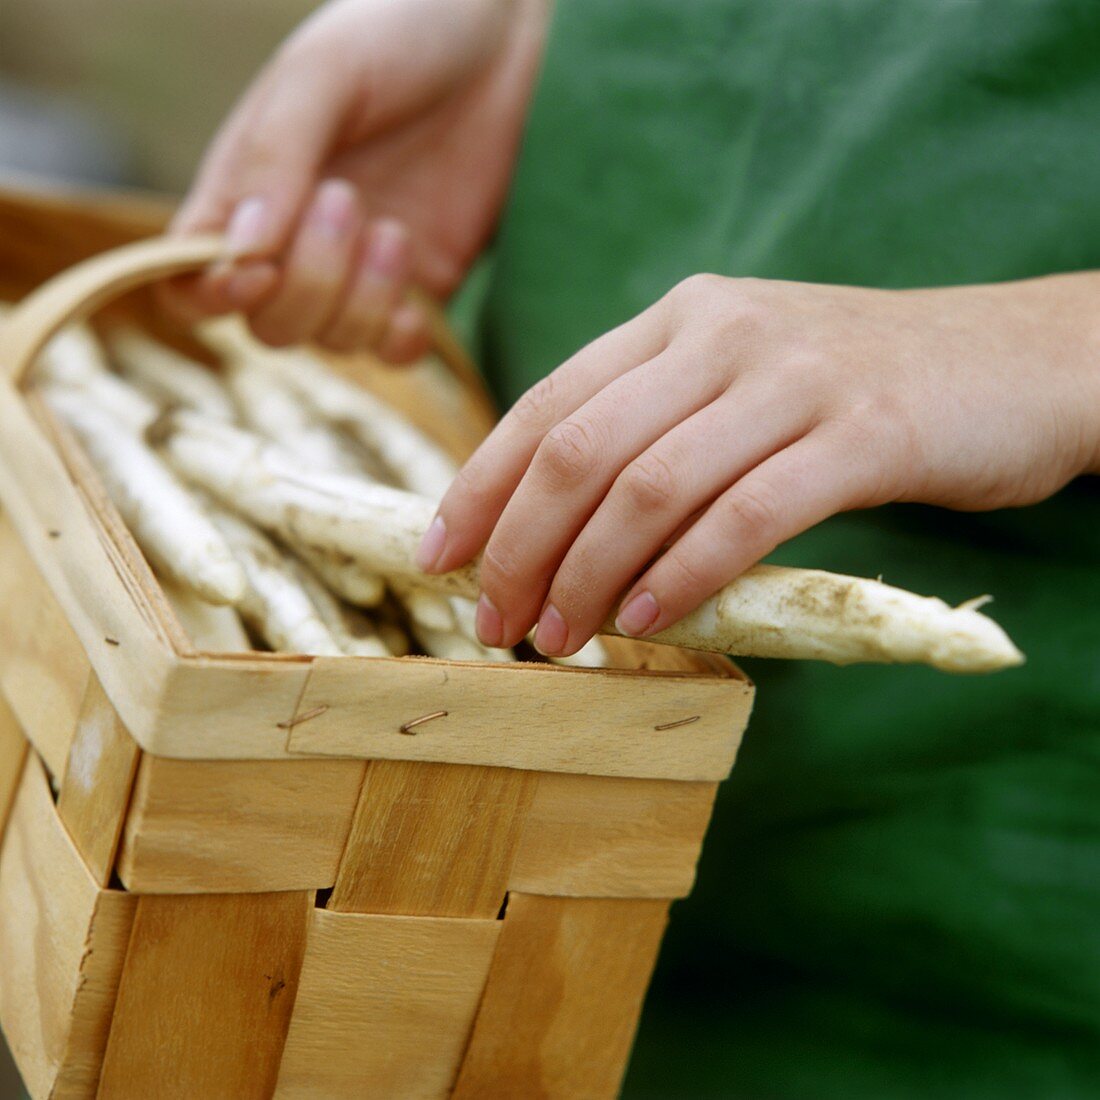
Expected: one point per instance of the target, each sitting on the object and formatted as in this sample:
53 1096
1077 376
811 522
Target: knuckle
535 409
568 454
649 484
681 575
756 510
500 568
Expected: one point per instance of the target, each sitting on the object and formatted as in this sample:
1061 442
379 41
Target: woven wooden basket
246 881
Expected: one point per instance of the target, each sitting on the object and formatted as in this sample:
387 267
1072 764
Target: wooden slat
534 717
227 708
563 998
95 790
206 996
43 668
432 840
385 1006
85 573
601 836
238 826
13 752
62 944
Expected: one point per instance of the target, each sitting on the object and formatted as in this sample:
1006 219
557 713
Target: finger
238 287
572 470
470 509
316 270
262 166
783 496
407 337
381 274
652 502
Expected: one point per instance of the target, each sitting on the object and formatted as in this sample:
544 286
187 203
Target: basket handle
79 291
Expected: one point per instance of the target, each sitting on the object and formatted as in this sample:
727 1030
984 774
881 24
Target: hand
373 151
677 450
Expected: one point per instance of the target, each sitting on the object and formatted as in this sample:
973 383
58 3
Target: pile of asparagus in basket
281 505
207 469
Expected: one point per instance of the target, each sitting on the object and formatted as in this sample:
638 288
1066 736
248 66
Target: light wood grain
43 668
95 790
227 708
563 998
385 1006
238 826
600 836
81 289
13 751
432 840
536 717
62 944
85 572
206 996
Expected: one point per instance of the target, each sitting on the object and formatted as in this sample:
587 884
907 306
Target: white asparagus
74 358
347 578
270 407
274 603
591 655
426 608
354 632
172 530
212 629
465 613
170 376
452 645
417 462
769 611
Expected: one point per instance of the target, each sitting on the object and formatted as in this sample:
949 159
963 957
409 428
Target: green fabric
900 892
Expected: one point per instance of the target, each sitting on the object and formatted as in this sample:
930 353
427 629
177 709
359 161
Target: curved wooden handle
78 292
82 289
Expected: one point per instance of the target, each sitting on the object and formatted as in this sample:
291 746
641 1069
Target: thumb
260 170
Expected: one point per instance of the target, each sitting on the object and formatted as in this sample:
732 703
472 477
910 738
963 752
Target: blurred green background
899 893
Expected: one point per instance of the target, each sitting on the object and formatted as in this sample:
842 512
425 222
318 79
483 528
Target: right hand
373 152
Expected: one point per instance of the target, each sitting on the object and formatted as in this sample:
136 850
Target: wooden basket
250 882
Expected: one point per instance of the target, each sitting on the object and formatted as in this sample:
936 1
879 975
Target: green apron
901 889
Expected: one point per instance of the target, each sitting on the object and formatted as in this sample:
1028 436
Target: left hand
675 451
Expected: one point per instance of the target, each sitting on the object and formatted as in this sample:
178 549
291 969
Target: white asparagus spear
417 462
172 530
274 603
270 407
426 608
347 578
769 611
353 631
171 377
591 655
74 358
212 629
465 613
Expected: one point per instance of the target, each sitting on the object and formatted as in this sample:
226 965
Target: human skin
669 455
675 451
373 152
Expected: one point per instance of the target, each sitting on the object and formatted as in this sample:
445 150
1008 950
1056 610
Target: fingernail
386 250
431 545
490 628
638 615
551 634
334 209
248 229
